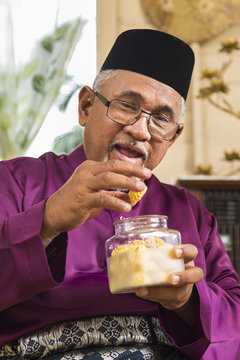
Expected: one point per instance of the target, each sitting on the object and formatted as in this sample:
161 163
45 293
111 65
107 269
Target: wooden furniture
221 196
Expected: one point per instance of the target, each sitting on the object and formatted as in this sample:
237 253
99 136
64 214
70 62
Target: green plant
65 143
27 92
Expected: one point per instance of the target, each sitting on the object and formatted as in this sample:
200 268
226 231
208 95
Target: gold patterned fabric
192 20
103 338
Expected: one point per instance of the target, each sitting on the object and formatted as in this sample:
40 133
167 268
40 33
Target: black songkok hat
155 54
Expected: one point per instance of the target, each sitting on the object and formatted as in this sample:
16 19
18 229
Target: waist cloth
99 338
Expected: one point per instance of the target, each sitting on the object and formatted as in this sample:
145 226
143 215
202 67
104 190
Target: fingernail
140 185
178 252
142 292
127 207
175 279
147 172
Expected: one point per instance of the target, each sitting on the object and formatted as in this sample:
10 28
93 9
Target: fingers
107 180
107 200
95 176
186 251
84 194
190 275
113 174
121 167
177 293
179 281
170 297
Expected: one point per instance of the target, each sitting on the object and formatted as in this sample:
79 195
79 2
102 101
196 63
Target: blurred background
31 118
49 49
205 24
46 48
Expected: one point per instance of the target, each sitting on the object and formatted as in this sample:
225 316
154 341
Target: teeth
129 151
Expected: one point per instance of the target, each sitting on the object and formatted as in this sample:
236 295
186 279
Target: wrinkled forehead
145 90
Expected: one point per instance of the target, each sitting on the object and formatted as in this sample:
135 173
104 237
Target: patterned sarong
102 338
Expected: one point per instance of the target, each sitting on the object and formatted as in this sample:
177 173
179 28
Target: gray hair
103 76
183 107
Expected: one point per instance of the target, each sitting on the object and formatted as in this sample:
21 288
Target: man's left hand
175 295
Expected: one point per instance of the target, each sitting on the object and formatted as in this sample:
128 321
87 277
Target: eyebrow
133 95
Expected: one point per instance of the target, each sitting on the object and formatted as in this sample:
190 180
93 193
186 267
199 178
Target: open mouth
129 151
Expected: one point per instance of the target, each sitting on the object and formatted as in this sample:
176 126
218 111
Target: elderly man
57 212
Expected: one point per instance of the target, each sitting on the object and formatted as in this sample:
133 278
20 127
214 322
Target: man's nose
139 130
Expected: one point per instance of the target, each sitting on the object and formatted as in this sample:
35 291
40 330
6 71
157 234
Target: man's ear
85 101
181 126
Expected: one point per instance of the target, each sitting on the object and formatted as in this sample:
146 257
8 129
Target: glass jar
141 253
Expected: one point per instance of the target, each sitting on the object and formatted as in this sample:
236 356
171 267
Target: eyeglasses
126 113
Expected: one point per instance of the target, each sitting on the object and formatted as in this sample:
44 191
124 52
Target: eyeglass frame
107 103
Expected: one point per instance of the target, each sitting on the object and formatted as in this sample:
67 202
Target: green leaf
65 143
38 83
2 98
27 96
61 31
47 43
64 99
29 69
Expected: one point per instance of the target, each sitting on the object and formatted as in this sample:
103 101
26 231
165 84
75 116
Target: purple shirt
68 280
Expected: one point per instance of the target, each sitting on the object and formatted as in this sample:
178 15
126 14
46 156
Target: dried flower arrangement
215 92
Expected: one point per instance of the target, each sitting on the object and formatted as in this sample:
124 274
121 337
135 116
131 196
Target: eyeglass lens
127 113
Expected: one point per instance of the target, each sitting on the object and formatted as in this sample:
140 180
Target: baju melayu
68 280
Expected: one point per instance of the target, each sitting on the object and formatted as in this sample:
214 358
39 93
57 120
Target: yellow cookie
135 196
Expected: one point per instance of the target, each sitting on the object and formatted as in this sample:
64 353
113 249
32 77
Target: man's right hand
86 194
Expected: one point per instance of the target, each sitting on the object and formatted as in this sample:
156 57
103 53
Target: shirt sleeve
218 332
24 266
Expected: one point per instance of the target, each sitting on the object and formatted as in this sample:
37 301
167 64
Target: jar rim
140 217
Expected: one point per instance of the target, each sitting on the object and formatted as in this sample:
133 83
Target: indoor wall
208 131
